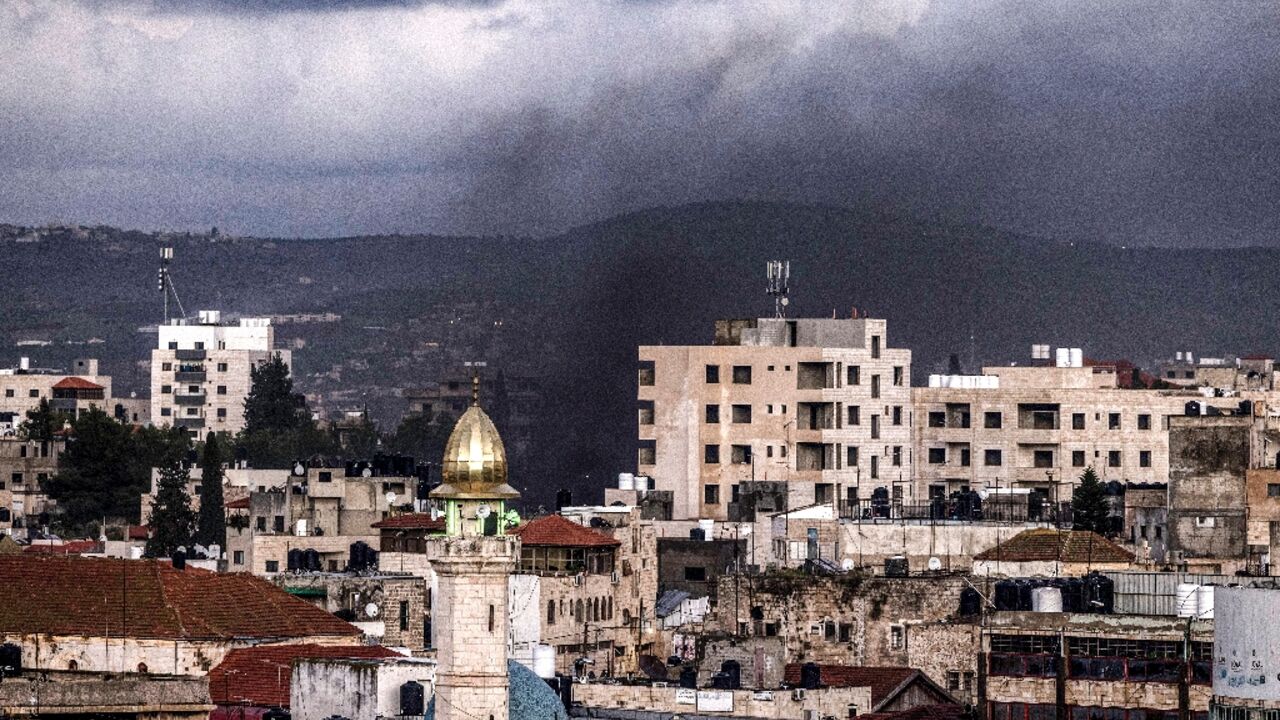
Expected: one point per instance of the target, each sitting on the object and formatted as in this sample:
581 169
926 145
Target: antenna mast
164 282
778 273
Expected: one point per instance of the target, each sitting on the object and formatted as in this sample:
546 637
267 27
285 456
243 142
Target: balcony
189 400
183 376
189 354
190 423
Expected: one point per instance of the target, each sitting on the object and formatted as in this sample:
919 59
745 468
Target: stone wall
833 702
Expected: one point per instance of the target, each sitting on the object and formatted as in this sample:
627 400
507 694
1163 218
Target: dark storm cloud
1134 124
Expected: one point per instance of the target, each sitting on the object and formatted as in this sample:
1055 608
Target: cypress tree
1089 507
171 515
212 526
272 405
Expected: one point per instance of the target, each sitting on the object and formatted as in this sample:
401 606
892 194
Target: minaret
473 561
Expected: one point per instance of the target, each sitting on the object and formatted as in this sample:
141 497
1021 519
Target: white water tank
1062 357
707 526
1204 602
626 481
1077 357
1046 599
642 482
300 528
544 661
1186 599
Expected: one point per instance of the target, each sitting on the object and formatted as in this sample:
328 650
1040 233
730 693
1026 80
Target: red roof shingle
87 596
70 547
411 521
558 531
76 383
1049 545
238 504
885 681
259 676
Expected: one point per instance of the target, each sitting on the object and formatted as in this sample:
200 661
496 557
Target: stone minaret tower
473 561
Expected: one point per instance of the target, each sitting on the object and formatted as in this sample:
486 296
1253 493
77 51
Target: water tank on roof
544 661
412 699
1204 602
1046 599
689 677
294 562
10 660
311 560
970 602
1006 595
697 534
896 566
708 528
626 481
564 498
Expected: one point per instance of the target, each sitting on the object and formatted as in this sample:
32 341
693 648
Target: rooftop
259 676
149 599
885 681
411 521
557 531
1049 545
76 383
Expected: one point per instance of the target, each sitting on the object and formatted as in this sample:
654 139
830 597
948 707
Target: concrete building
362 688
821 405
25 466
1245 666
24 387
251 681
1038 428
200 371
1207 502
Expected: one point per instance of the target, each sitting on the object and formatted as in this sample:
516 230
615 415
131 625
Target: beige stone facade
200 373
25 466
21 390
780 704
822 405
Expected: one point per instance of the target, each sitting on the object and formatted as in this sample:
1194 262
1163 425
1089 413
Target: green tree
212 526
358 439
1089 507
172 518
272 405
106 465
43 422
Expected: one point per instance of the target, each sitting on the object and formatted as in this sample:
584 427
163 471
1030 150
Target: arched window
609 615
551 612
73 665
578 613
142 667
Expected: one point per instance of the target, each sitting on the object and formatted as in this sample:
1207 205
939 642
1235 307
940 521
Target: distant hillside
576 306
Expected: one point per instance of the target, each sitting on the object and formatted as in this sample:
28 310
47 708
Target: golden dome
475 462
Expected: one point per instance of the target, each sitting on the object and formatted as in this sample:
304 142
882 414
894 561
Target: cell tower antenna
164 282
778 273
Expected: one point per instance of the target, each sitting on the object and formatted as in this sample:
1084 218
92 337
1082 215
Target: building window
875 427
711 454
851 453
964 456
1042 458
713 373
740 454
897 637
853 374
492 618
1144 422
937 456
875 346
1077 421
34 393
897 455
711 494
855 415
1113 458
551 612
222 389
404 615
1077 458
875 386
741 374
273 566
166 367
875 467
277 523
741 414
1144 458
166 389
695 574
261 523
992 457
713 414
166 412
237 557
897 375
897 414
1113 421
222 367
992 420
937 419
222 413
648 452
646 374
8 392
1273 490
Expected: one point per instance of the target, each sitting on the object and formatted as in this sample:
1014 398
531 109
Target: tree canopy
211 529
172 518
272 405
43 422
1089 507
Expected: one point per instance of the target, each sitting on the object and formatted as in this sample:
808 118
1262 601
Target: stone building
25 466
251 681
1207 503
822 405
22 388
200 371
1046 552
1244 654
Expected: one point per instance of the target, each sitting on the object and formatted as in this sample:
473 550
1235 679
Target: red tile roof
558 531
1048 545
76 383
138 532
883 680
70 547
259 676
411 521
240 504
89 596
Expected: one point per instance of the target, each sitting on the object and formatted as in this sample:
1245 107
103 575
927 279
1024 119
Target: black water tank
1024 594
697 534
1006 595
689 677
564 498
733 670
276 713
1100 590
311 560
412 699
810 676
294 562
356 556
1073 595
970 602
896 567
370 558
179 559
10 660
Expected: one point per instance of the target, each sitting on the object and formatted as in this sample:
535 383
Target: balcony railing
190 376
1003 511
190 423
190 399
189 354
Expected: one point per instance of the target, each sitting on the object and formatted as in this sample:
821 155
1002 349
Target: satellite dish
785 301
483 511
299 469
846 564
935 564
371 610
367 472
391 498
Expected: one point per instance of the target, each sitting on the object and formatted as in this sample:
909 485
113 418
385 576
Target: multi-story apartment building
821 405
24 387
25 465
1038 428
200 372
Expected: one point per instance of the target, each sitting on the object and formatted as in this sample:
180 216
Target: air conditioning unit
614 577
798 695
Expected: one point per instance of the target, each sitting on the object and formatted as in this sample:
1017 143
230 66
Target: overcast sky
1148 124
